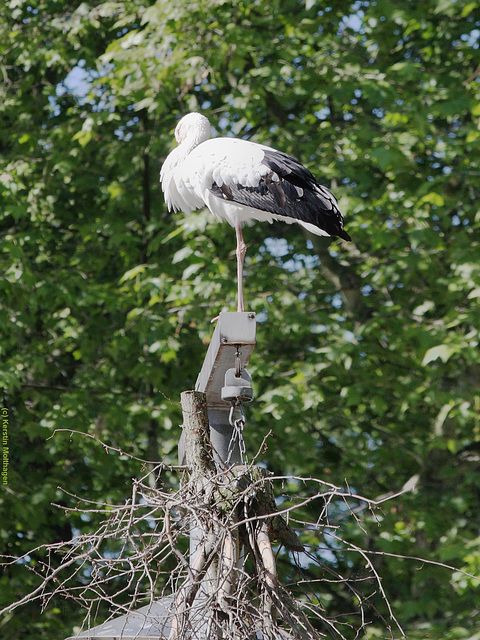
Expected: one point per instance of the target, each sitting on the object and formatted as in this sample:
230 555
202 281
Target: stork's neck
186 143
192 140
178 155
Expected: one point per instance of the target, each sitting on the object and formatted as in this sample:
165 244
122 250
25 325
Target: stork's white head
193 127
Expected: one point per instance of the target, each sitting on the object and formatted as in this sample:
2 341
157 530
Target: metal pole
235 333
233 329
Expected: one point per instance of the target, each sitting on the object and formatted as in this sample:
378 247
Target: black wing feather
294 194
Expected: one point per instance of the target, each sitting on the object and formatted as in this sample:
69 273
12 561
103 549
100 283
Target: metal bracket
232 329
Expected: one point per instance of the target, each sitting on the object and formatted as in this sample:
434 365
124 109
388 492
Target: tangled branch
227 584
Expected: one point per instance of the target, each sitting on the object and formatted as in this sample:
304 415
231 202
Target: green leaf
182 254
432 198
131 274
441 351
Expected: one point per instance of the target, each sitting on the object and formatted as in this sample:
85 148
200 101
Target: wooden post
196 434
199 460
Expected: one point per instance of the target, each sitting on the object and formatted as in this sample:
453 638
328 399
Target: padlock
236 388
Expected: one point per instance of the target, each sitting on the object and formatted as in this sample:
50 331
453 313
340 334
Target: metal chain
238 425
241 443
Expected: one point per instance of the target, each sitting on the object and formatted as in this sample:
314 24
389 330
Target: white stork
241 181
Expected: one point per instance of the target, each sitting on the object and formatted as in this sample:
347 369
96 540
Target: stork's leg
241 251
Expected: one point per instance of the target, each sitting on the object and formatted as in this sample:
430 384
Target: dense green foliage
367 366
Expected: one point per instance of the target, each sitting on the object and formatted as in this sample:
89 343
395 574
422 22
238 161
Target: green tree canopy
367 366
